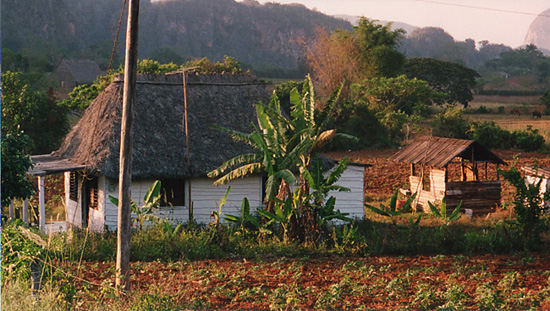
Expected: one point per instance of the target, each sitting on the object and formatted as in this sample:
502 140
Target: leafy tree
366 52
35 113
455 80
15 164
395 94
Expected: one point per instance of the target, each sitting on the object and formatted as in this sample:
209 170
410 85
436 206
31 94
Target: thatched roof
439 151
82 70
159 142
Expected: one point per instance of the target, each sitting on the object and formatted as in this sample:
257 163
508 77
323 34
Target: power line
482 8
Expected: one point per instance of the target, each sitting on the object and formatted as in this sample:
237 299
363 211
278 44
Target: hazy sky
476 19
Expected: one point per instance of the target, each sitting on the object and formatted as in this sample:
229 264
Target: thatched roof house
73 72
89 155
159 148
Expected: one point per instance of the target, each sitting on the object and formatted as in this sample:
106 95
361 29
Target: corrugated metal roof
439 151
539 171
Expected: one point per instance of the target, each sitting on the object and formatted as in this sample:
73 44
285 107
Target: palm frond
238 160
337 172
240 172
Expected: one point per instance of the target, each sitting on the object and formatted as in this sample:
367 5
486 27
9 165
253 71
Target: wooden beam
125 160
41 203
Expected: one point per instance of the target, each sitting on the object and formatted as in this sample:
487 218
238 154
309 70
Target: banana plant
246 221
217 214
442 213
282 213
151 202
391 210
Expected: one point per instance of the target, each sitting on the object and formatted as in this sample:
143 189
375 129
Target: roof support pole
125 159
11 210
41 204
25 211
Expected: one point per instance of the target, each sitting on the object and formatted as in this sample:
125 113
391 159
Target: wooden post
25 211
41 204
463 170
11 211
125 159
412 169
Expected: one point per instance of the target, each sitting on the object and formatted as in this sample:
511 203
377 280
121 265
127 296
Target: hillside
262 36
539 32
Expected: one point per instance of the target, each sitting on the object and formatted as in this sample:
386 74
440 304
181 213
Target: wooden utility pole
125 160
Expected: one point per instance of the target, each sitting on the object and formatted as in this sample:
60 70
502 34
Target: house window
172 192
91 186
73 186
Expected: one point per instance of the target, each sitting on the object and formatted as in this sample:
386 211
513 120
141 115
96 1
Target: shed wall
480 196
351 202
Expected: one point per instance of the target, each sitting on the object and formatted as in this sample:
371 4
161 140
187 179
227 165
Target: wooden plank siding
480 196
204 195
351 202
435 193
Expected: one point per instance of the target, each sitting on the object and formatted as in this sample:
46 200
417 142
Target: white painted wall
351 202
176 214
206 197
72 208
544 185
96 216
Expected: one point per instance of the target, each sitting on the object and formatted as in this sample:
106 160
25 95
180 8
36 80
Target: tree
33 112
15 164
395 94
453 79
367 51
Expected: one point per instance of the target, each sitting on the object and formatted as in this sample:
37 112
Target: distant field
507 101
513 122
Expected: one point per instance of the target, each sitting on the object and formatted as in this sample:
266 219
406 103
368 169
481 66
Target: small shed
533 175
455 169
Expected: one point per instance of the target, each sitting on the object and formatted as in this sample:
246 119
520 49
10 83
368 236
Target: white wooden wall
544 185
351 202
176 214
206 197
72 208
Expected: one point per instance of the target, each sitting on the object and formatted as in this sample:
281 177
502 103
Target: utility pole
125 160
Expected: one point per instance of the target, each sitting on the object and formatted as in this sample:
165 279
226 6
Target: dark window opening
73 186
92 193
172 192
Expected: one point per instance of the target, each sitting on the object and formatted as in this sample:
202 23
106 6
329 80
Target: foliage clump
452 123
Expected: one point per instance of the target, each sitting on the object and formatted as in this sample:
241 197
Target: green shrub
451 123
528 139
491 135
21 247
529 207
